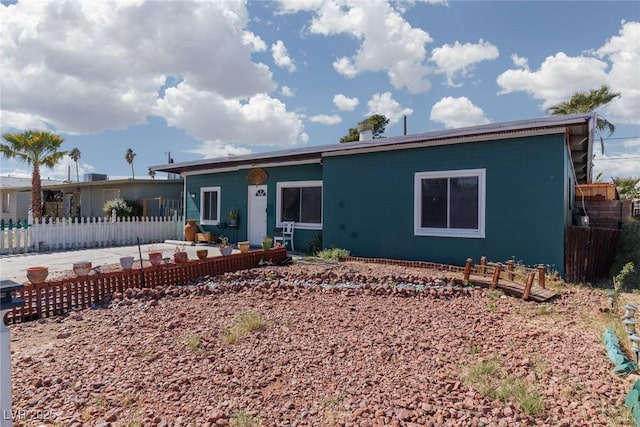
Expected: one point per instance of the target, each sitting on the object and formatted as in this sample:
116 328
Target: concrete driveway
14 267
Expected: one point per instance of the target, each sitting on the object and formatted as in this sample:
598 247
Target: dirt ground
285 346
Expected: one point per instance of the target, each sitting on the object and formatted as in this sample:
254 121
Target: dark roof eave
313 152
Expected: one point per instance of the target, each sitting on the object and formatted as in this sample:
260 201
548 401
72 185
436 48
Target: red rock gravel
374 356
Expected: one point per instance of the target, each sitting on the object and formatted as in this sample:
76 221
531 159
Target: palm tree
627 187
75 156
586 102
37 148
129 156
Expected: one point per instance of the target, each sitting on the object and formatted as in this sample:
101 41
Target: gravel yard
285 346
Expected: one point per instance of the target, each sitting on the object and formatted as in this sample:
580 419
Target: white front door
257 211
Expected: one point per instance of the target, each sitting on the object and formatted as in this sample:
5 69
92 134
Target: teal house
502 190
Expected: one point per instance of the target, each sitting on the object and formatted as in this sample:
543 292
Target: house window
210 205
6 202
450 203
301 202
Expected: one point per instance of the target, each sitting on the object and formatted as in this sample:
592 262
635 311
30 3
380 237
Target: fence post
510 269
527 287
496 276
483 265
541 278
467 269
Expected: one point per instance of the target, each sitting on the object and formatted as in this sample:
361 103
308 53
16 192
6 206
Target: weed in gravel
243 324
488 377
193 342
332 413
129 399
540 366
242 418
335 254
619 416
494 293
473 349
545 310
491 306
149 356
529 401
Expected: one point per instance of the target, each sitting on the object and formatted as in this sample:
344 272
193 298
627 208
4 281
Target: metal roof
14 182
61 185
578 128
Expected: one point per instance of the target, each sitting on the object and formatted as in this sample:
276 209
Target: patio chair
202 236
286 235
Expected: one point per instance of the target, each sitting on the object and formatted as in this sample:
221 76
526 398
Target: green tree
627 187
75 156
379 123
586 102
37 148
129 156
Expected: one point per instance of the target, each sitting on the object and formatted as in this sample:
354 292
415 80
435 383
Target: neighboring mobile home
502 190
15 197
159 197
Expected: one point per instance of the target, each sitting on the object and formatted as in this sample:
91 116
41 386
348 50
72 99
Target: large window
301 202
210 205
450 203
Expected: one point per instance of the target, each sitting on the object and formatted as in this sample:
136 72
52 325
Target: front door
257 215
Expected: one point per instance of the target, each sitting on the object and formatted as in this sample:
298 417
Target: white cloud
281 56
344 103
388 42
325 119
108 64
286 91
615 64
261 120
457 112
255 43
519 61
634 142
623 51
460 59
213 149
621 165
559 77
384 104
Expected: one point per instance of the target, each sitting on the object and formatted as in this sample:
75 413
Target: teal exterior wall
233 194
369 202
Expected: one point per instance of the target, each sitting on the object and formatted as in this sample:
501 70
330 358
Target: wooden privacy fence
61 296
589 253
80 233
518 281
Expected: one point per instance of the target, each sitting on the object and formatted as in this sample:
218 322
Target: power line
617 158
621 137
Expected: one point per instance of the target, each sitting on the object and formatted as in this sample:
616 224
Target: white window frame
298 184
478 233
209 190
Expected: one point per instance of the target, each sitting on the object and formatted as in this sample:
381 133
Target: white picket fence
81 233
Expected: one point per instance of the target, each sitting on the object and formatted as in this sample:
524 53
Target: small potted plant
225 247
267 242
233 217
180 255
244 246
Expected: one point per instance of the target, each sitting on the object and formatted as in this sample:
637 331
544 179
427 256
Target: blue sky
208 79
